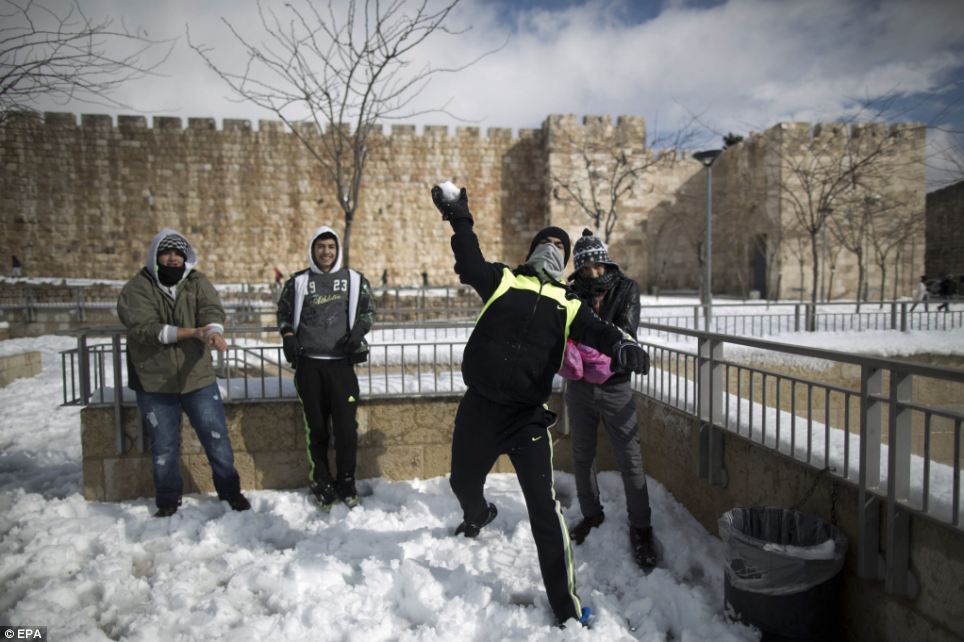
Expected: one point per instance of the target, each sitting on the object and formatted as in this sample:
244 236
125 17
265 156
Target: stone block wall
405 438
756 190
575 149
83 199
945 232
247 199
18 366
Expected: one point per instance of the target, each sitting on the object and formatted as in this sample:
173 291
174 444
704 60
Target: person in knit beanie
174 317
615 298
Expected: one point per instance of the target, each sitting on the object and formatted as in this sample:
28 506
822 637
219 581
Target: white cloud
743 64
748 61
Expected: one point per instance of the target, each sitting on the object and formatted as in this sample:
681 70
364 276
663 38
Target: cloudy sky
739 65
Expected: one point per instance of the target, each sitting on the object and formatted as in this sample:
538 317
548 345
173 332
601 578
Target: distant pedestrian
945 291
278 277
921 295
17 270
384 277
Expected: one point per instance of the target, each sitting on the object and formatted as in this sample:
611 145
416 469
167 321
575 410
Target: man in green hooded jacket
173 316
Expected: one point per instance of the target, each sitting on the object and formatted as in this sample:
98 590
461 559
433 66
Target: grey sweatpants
586 403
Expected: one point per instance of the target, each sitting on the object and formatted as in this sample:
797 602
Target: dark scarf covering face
169 276
589 288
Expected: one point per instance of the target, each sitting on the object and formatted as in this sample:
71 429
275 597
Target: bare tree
604 171
831 252
821 171
797 244
63 54
947 162
894 228
341 69
851 229
675 226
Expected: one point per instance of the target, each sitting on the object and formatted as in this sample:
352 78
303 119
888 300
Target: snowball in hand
450 192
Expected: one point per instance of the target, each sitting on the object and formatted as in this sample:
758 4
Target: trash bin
781 572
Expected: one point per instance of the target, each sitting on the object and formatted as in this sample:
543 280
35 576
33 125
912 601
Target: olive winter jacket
146 308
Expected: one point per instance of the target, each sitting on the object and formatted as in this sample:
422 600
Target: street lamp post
707 158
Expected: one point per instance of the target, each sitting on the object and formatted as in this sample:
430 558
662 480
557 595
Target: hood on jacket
190 261
311 255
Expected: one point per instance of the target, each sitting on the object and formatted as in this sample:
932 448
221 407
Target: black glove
291 347
630 356
452 210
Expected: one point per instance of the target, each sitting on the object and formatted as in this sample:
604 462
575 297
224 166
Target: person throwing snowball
508 365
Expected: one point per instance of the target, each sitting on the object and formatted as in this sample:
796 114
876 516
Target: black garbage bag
781 569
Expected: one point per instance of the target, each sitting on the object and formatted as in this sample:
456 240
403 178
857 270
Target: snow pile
388 570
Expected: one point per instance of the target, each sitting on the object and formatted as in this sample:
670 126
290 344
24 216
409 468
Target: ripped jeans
161 414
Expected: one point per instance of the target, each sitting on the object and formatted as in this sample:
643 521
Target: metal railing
415 359
442 304
764 319
903 455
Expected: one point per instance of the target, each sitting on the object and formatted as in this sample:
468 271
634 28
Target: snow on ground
388 570
880 343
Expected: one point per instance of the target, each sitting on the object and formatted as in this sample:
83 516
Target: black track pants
329 390
483 431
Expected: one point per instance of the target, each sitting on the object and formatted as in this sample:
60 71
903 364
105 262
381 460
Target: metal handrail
798 417
816 353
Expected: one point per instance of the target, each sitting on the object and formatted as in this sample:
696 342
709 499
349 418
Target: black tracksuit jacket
518 341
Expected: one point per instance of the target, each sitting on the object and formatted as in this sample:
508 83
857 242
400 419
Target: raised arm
470 265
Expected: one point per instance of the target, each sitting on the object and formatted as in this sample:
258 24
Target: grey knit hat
590 249
173 242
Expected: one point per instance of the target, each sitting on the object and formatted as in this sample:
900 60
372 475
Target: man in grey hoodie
173 317
324 313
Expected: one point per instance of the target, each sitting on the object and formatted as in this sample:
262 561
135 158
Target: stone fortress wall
945 233
753 194
83 199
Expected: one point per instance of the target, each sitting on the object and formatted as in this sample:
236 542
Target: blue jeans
161 414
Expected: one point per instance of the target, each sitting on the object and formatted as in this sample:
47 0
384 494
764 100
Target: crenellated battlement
126 123
628 130
566 129
801 132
